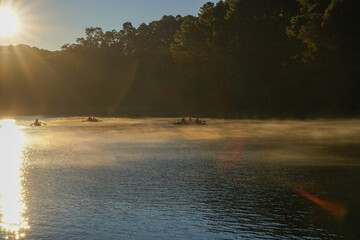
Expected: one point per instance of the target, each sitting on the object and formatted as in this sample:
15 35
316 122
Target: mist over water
149 179
294 142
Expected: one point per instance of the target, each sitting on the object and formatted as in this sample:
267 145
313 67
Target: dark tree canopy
237 58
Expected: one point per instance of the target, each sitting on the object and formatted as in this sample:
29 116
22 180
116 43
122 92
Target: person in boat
37 123
200 122
91 119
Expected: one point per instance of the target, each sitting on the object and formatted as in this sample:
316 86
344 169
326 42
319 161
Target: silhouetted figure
37 123
183 121
92 119
200 122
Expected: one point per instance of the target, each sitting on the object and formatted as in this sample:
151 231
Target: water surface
149 179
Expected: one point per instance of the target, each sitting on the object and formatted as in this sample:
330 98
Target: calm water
149 179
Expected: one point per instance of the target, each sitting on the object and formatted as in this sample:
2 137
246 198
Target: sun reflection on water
12 207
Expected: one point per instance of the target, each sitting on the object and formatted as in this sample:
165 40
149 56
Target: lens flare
337 210
231 152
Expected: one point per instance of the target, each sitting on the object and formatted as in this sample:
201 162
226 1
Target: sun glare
12 207
21 23
8 22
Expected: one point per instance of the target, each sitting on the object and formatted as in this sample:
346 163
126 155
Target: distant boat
37 123
183 121
92 119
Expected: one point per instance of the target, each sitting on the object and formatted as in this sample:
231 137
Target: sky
49 24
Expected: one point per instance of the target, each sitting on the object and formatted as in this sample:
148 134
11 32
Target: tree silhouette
237 58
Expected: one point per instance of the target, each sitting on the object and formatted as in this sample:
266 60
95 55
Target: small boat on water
183 121
37 123
92 119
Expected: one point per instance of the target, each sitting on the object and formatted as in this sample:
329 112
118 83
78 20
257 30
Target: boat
92 119
37 123
183 121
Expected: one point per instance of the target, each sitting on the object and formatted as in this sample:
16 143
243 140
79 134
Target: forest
236 59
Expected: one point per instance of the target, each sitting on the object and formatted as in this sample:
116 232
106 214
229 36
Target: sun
8 22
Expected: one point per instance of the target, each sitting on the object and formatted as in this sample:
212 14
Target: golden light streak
12 206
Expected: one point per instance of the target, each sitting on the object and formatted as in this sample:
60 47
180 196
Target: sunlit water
12 206
149 179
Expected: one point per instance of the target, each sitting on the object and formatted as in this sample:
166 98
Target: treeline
237 58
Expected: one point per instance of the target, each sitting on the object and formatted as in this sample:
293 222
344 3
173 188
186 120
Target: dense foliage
237 58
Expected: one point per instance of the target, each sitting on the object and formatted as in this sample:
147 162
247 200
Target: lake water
149 179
